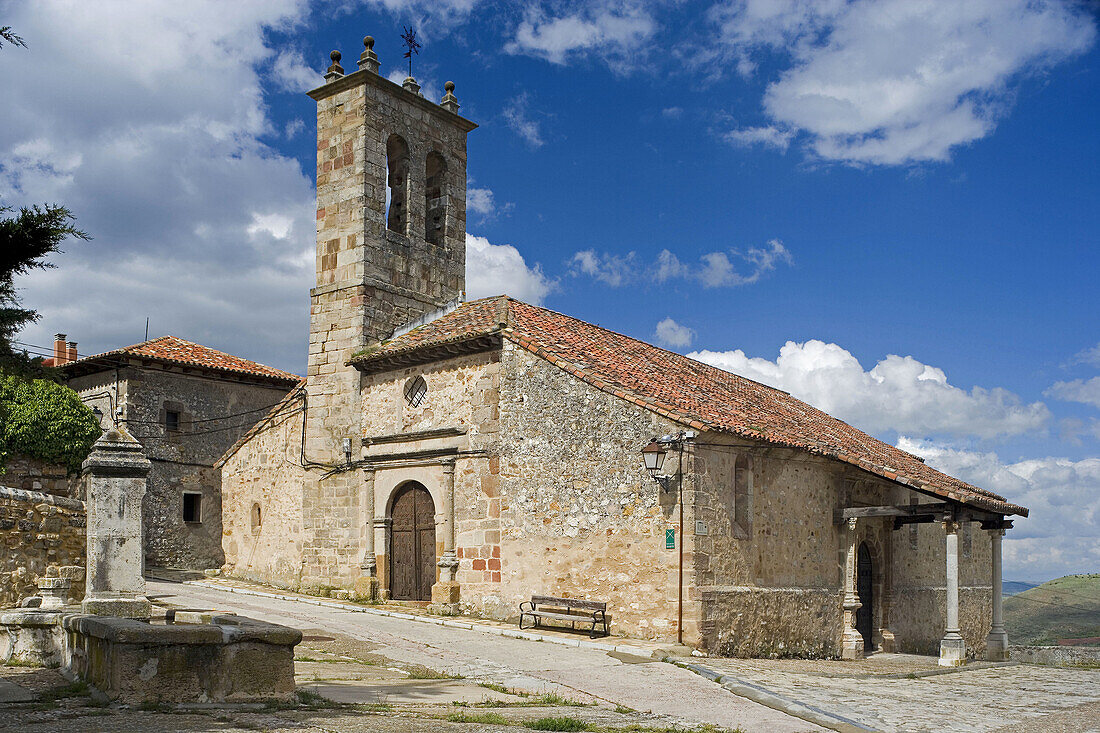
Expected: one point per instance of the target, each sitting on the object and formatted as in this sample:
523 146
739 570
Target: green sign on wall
670 539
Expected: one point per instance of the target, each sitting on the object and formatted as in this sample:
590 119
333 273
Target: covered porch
864 631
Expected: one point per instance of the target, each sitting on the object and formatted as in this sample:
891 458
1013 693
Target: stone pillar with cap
446 593
851 642
996 643
366 587
116 472
952 646
368 60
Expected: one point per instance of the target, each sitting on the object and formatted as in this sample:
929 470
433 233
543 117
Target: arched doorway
412 544
865 616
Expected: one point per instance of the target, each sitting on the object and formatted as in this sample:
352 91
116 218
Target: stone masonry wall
40 534
263 481
579 516
214 413
32 474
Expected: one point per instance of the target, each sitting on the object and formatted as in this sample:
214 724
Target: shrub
44 420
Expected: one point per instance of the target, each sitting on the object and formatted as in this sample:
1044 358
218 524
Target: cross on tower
409 37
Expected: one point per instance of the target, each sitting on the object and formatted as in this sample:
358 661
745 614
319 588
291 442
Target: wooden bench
565 609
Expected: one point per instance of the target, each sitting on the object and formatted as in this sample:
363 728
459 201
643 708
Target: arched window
435 198
257 517
397 168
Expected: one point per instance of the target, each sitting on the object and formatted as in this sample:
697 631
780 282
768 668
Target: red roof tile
172 350
694 394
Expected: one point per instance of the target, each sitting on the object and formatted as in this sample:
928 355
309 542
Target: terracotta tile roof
172 350
694 394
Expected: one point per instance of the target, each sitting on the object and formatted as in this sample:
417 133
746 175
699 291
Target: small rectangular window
192 508
171 421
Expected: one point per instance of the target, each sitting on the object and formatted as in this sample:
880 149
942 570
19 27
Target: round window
416 389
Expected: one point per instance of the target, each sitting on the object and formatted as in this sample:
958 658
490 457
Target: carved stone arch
436 197
397 184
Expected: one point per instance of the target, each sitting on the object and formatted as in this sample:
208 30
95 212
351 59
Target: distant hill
1012 587
1066 610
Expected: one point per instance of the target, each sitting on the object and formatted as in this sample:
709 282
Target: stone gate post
116 471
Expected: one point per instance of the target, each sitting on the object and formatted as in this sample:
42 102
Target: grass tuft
563 723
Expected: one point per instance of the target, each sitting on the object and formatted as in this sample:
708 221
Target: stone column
366 587
851 644
116 471
381 555
445 593
952 646
996 644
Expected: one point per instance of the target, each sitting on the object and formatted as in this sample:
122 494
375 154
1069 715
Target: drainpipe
680 590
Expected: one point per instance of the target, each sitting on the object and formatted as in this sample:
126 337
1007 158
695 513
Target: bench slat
568 603
561 616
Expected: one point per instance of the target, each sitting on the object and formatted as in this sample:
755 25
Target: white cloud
495 269
674 335
1062 533
715 269
196 222
1079 390
294 127
1088 356
480 201
899 394
615 270
895 82
292 73
769 136
517 117
673 113
613 31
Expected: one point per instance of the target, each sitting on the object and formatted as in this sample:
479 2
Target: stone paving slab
652 649
405 692
970 699
11 692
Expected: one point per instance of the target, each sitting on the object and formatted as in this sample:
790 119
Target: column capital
852 523
448 466
950 526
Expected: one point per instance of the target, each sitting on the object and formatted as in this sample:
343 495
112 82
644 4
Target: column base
445 597
366 588
851 646
135 607
996 646
886 641
952 651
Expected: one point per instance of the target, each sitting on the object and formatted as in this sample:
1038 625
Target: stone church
468 455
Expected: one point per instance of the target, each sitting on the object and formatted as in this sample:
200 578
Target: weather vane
409 37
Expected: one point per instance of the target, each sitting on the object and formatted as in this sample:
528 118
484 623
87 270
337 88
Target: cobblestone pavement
1017 697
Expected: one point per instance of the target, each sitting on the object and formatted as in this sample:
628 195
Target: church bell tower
391 229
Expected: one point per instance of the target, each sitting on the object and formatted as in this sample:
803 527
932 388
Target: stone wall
41 534
263 481
579 516
771 622
32 474
214 413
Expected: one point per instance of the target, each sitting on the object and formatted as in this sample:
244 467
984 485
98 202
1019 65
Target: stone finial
410 85
449 101
369 59
336 71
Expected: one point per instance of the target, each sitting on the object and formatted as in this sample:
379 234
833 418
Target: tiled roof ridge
253 368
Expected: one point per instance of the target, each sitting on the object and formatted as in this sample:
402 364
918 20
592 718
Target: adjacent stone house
186 404
471 454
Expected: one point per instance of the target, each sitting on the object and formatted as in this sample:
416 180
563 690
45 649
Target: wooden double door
412 544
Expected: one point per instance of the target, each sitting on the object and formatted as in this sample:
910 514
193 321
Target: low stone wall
31 474
1056 656
40 535
918 615
743 621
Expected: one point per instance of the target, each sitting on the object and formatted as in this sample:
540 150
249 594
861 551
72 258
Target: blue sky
889 209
